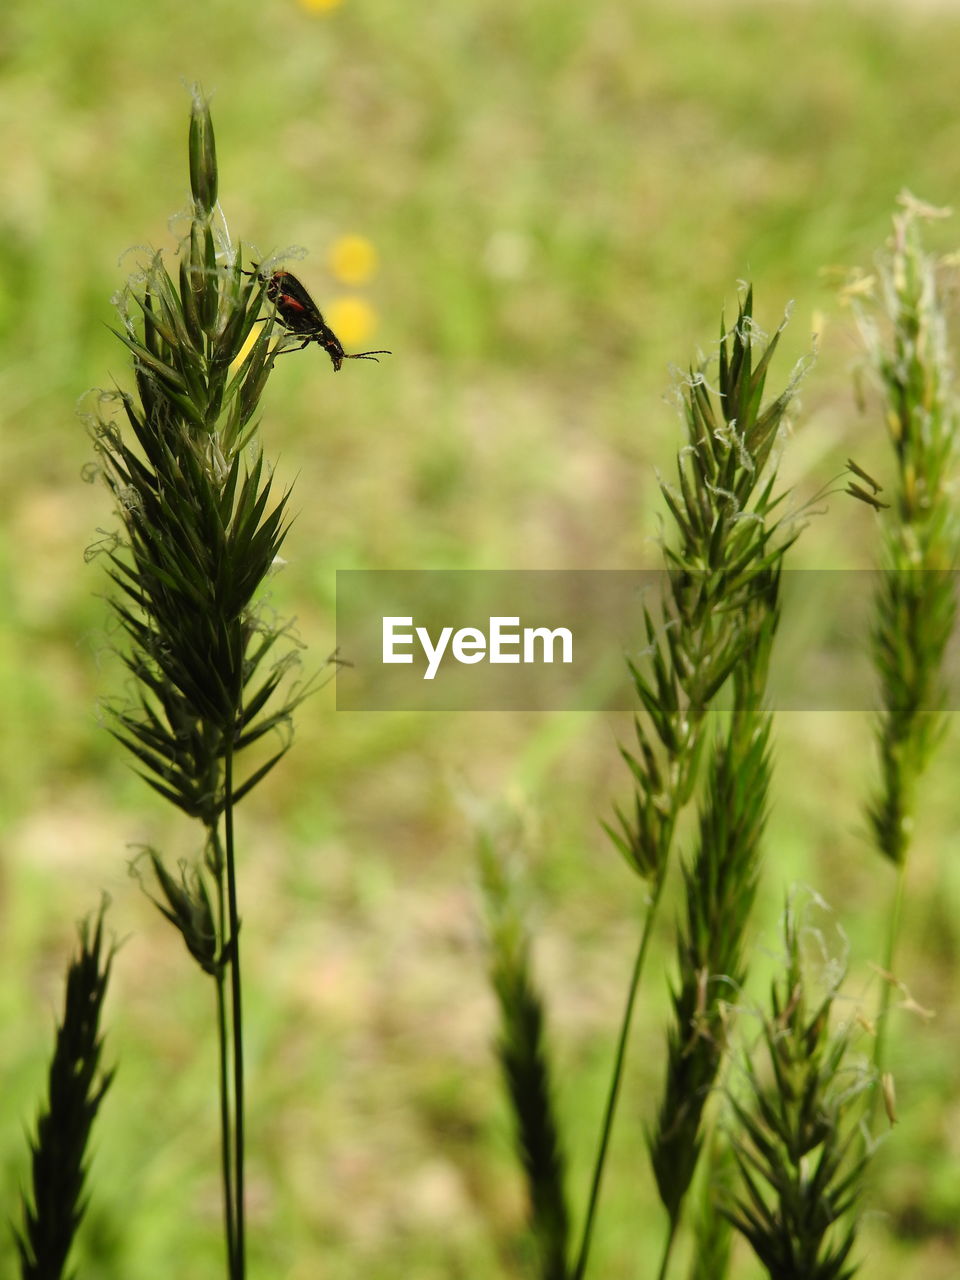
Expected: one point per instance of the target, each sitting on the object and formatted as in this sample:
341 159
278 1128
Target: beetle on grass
300 315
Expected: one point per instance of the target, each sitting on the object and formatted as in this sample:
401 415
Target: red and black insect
300 315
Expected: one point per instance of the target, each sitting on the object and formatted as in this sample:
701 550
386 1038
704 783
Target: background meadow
539 209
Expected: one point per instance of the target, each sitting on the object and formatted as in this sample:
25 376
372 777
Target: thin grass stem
889 957
226 1134
668 1248
236 1021
615 1081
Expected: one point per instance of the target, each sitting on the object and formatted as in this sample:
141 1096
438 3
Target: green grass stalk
719 612
795 1132
200 531
236 1022
523 1050
915 608
613 1091
55 1206
226 1124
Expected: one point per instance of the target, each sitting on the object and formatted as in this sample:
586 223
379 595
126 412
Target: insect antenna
367 355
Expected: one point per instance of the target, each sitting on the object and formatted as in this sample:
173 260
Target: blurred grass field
561 198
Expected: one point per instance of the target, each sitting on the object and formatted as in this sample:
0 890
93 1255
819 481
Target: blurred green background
560 198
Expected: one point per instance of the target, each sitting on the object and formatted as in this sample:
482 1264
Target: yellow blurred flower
244 351
319 6
353 259
352 319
